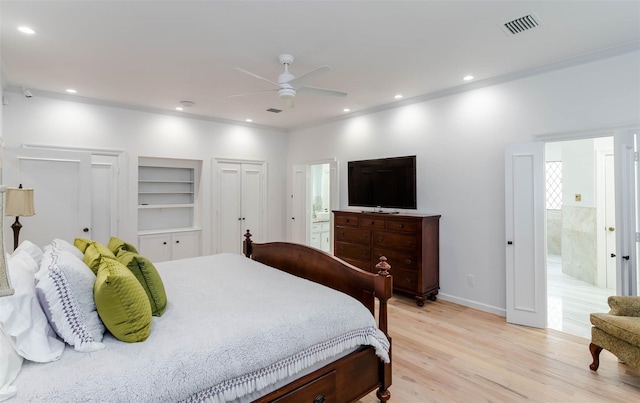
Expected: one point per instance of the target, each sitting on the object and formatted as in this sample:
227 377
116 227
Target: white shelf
167 194
150 206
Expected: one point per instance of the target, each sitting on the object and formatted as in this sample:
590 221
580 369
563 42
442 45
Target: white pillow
65 289
21 317
66 246
32 249
10 365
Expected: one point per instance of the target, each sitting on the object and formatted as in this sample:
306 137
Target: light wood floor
444 352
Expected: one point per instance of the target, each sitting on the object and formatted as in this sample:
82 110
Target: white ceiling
153 54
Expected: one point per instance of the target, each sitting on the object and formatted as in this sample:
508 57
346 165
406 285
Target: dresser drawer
322 389
398 259
345 220
405 280
373 223
395 240
353 235
403 225
353 251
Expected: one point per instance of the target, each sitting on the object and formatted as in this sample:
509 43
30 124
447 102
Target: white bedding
232 326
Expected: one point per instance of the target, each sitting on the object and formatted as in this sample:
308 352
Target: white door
299 205
252 202
229 207
525 235
104 197
626 170
610 222
241 204
62 192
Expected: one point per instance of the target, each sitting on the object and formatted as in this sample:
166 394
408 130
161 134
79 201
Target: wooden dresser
410 243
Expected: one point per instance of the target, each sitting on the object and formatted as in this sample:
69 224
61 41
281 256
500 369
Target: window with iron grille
554 185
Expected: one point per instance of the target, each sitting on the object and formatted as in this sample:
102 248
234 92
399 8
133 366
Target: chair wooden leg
595 353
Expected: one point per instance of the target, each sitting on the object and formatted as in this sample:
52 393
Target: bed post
384 291
246 245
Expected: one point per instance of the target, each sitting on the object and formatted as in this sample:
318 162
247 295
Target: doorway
580 236
319 199
314 194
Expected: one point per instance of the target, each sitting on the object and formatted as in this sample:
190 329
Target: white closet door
252 201
229 207
525 239
62 192
104 197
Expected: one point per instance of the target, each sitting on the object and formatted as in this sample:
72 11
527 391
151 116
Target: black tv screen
383 182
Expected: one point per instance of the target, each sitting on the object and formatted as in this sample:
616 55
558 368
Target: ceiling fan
289 85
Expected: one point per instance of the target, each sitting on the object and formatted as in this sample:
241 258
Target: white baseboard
473 304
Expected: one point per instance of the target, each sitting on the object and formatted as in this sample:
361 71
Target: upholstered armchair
617 331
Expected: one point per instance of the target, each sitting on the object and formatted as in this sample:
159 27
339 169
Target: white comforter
232 326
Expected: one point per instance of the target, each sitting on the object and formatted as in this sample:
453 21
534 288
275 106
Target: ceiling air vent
521 24
274 110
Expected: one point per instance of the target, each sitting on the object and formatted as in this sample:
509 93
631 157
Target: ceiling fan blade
251 93
256 76
300 81
321 91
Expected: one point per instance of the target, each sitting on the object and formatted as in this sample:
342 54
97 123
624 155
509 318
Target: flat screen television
383 182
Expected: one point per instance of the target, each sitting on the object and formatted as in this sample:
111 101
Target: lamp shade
19 202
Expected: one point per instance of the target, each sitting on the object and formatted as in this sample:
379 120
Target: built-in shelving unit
168 207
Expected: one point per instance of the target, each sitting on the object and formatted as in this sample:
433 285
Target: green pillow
149 278
82 243
121 302
117 244
94 254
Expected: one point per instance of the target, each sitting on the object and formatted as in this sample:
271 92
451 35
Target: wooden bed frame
360 372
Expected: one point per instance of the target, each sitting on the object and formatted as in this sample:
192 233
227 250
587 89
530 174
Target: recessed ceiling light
179 108
346 110
249 120
26 30
467 78
71 91
398 96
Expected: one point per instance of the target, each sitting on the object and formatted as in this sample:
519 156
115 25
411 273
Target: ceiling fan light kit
289 85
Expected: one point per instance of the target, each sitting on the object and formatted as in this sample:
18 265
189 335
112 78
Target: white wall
62 123
459 141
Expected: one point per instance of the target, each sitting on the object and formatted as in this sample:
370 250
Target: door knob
613 255
611 229
85 229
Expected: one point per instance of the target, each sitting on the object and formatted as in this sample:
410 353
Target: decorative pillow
122 302
94 254
32 249
10 365
149 278
21 318
82 243
65 290
116 245
61 244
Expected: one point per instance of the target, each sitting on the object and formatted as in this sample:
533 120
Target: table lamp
19 203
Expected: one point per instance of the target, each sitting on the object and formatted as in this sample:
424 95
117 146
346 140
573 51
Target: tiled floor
570 301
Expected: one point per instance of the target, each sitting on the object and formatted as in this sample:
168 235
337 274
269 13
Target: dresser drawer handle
373 222
409 243
364 253
379 239
408 261
319 399
409 280
364 236
401 225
